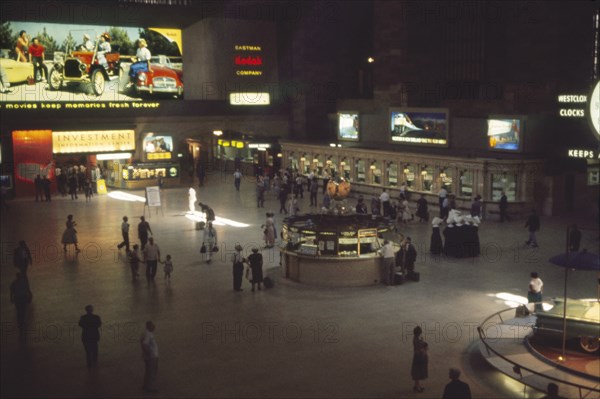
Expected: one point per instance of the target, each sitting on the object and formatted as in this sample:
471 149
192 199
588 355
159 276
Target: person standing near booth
143 230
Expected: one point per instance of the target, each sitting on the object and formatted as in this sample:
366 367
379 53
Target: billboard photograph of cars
48 62
419 126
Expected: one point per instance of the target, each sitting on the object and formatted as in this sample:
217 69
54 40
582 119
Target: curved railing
517 367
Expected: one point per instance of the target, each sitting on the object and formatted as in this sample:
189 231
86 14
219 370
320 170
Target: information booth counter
333 250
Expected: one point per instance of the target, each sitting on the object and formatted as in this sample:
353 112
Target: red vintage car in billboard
93 66
165 77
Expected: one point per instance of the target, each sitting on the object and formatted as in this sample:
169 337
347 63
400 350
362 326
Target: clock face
594 111
338 190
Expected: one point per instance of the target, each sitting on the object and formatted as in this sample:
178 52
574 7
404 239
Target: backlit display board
504 134
348 126
420 126
158 147
89 65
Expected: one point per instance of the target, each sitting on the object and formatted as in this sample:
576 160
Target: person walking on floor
422 209
143 231
209 240
38 184
150 356
407 257
125 234
151 258
442 194
73 186
47 186
168 269
134 261
256 266
20 296
238 268
456 389
237 179
22 257
283 195
533 225
534 291
503 206
384 199
260 192
70 234
90 335
574 239
387 251
269 230
419 367
313 188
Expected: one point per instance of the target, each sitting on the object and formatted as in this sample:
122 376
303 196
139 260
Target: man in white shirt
125 233
151 257
389 258
442 194
534 294
150 355
237 176
384 198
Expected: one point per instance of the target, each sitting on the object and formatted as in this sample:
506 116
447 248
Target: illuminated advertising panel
91 64
348 126
420 126
93 141
504 134
158 147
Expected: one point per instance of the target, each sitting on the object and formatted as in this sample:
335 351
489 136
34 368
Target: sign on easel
153 199
153 196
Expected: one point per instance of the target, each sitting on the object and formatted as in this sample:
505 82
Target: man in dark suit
456 389
90 334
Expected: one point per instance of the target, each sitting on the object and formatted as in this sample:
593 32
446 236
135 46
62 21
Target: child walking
168 268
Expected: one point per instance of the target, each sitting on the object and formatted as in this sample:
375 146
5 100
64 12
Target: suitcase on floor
414 276
398 278
268 282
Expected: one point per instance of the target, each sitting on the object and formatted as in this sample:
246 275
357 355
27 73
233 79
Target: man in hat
87 44
238 268
407 256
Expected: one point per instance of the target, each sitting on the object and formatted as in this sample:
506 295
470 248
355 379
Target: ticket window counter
392 178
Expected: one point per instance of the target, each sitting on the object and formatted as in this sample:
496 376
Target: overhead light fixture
302 159
370 60
218 132
279 155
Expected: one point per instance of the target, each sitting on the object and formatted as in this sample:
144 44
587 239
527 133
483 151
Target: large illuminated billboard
48 63
504 134
348 126
420 126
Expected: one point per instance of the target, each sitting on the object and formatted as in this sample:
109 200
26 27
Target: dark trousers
237 184
91 352
313 199
282 206
503 215
144 241
38 65
151 266
150 373
21 306
238 272
125 242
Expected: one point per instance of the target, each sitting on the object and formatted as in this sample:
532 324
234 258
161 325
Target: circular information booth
333 250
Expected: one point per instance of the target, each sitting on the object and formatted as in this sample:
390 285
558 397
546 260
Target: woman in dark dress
418 370
422 210
436 247
256 264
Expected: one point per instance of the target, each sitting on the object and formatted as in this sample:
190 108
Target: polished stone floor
292 341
